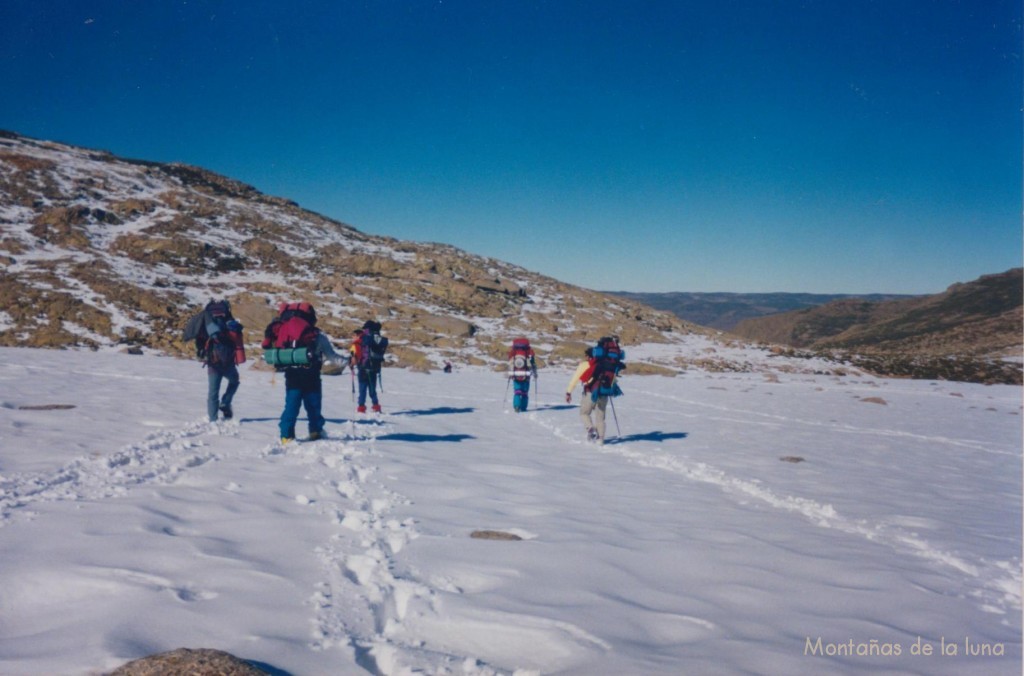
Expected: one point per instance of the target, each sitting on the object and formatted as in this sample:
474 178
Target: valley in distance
970 332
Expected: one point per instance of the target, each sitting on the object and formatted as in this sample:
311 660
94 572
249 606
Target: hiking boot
313 436
226 410
376 408
360 409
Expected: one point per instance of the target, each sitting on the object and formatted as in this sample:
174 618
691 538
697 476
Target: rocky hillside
100 251
977 323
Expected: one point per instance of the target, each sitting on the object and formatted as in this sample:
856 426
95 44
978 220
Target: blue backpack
212 331
372 347
608 362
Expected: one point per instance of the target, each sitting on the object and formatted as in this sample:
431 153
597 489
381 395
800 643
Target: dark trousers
368 385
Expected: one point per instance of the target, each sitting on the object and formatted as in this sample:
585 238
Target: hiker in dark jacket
295 329
303 388
219 369
368 348
218 343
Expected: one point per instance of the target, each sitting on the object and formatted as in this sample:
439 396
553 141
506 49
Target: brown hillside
97 251
981 319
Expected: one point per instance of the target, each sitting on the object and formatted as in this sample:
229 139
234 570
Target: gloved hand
568 397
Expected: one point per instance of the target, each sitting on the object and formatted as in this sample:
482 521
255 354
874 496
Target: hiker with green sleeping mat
293 344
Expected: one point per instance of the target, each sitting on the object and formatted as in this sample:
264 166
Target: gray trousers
588 408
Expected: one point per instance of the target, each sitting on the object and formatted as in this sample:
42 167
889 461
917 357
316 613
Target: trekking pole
618 432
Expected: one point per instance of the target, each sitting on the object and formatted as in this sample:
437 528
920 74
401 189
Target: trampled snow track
389 618
364 596
994 585
361 600
160 457
359 597
754 417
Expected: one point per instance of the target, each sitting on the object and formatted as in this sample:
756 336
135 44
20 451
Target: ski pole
618 432
508 384
352 372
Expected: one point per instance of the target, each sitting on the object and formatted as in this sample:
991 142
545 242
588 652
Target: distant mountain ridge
971 331
722 310
981 318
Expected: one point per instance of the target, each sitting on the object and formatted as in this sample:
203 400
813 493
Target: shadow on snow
648 436
408 436
555 407
439 410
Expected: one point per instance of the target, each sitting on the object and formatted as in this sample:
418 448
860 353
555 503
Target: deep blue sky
736 145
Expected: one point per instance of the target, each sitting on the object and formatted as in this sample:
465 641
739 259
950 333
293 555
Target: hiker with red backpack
368 349
598 374
522 366
293 344
218 342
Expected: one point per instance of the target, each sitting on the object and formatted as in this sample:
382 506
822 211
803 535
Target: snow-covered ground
131 526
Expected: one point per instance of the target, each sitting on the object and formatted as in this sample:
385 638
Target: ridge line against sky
800 146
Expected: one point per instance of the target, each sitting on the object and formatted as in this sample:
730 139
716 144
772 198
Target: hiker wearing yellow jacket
592 412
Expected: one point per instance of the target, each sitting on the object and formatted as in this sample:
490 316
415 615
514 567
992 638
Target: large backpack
289 341
608 362
521 359
372 347
217 336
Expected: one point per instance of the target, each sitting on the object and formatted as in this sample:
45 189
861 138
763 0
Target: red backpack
521 359
295 326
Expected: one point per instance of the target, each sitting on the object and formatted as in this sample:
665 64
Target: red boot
361 409
376 408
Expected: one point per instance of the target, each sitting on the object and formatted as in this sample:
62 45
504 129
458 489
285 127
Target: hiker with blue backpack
598 374
293 344
368 350
218 342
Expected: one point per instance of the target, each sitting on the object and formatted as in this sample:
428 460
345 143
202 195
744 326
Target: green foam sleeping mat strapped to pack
287 356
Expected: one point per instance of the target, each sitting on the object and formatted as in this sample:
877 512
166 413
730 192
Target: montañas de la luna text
875 648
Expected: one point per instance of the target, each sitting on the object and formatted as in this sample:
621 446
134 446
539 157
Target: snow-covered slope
741 523
98 250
